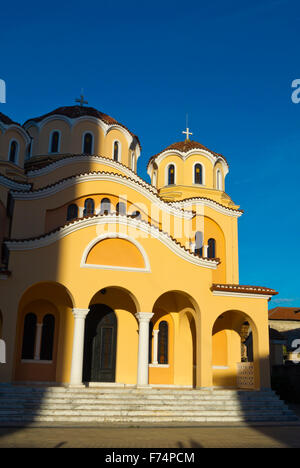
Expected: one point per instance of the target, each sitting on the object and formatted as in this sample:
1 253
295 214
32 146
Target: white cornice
12 185
95 158
209 203
153 232
242 295
103 176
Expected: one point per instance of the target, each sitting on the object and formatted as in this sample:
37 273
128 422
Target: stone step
19 404
139 419
142 411
132 390
79 406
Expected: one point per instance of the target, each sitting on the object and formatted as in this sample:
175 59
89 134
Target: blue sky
229 65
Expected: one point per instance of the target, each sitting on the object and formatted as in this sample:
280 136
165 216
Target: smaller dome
185 147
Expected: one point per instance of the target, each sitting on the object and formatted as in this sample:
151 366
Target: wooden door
100 345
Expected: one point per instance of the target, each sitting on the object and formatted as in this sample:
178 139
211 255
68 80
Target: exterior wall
42 264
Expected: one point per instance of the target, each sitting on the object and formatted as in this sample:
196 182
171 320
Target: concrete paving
175 437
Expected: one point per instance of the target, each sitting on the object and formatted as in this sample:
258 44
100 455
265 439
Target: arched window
163 343
72 212
116 151
88 143
198 174
29 334
13 151
199 243
105 206
211 252
89 207
219 180
54 142
121 208
46 352
171 174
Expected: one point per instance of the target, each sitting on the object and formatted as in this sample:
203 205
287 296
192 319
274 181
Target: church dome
184 147
74 112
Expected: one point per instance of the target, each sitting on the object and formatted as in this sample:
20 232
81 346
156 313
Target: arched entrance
173 337
232 362
100 344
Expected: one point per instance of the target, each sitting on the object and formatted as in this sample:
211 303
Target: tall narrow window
163 343
211 253
198 175
89 207
219 180
72 212
116 151
29 333
13 151
54 143
88 143
46 353
171 174
105 206
199 243
121 208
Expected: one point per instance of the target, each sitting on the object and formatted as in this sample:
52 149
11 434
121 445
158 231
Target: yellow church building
107 278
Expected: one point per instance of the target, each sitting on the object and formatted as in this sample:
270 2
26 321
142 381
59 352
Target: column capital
144 316
80 313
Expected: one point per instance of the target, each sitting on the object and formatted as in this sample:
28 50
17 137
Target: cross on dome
81 100
187 133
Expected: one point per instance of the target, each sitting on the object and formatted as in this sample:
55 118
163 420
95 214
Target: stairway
21 405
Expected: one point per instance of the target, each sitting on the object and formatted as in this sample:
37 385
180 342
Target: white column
205 251
78 346
155 346
143 353
38 341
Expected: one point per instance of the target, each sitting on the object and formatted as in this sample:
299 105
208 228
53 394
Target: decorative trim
11 184
73 159
203 201
100 176
243 289
115 235
244 295
152 231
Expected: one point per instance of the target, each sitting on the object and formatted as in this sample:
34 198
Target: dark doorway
99 364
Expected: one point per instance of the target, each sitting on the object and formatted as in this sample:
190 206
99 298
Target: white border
241 294
115 235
